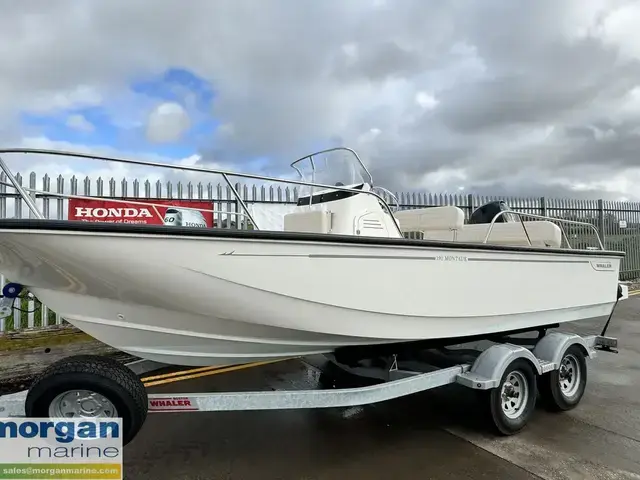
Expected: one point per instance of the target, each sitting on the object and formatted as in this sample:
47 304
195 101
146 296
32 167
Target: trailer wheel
562 389
89 386
512 403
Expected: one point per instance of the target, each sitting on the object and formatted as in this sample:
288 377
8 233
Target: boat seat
430 219
542 234
308 221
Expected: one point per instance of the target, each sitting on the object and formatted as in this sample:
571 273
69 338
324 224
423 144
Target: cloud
167 123
93 170
538 97
79 176
79 122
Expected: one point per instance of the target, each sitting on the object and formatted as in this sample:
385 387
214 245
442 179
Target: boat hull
220 300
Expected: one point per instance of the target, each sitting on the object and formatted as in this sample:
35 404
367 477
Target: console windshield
335 167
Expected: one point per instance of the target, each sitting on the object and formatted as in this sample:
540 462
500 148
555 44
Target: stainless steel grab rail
542 217
224 173
20 189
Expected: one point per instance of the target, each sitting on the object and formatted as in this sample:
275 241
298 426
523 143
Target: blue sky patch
178 85
121 122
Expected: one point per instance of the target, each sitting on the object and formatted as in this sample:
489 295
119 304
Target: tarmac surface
431 435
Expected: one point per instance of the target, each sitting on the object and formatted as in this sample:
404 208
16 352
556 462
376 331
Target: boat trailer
507 376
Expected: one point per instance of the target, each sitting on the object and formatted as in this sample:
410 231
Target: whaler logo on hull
602 266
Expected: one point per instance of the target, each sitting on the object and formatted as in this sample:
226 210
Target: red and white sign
172 404
177 213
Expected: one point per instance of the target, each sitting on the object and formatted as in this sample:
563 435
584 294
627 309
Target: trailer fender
491 364
551 348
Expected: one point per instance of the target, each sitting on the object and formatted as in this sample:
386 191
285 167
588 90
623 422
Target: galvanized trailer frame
486 373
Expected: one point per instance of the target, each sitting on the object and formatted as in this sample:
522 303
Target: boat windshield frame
363 173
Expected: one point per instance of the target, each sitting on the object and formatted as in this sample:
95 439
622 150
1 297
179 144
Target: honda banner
177 213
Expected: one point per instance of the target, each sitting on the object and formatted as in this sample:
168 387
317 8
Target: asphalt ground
436 434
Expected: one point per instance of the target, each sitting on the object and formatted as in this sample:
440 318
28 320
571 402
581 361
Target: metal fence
617 222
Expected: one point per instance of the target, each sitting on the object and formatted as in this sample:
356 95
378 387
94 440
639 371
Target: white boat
340 273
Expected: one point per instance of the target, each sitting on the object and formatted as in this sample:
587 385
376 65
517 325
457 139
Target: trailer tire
121 393
513 402
562 389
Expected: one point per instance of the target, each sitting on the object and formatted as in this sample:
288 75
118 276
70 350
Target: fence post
543 207
3 195
601 221
33 179
236 207
470 203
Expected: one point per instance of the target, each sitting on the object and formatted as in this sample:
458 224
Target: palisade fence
617 222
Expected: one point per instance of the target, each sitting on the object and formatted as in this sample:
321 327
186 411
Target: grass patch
49 337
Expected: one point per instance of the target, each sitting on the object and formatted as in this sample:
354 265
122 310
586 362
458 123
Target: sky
504 97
